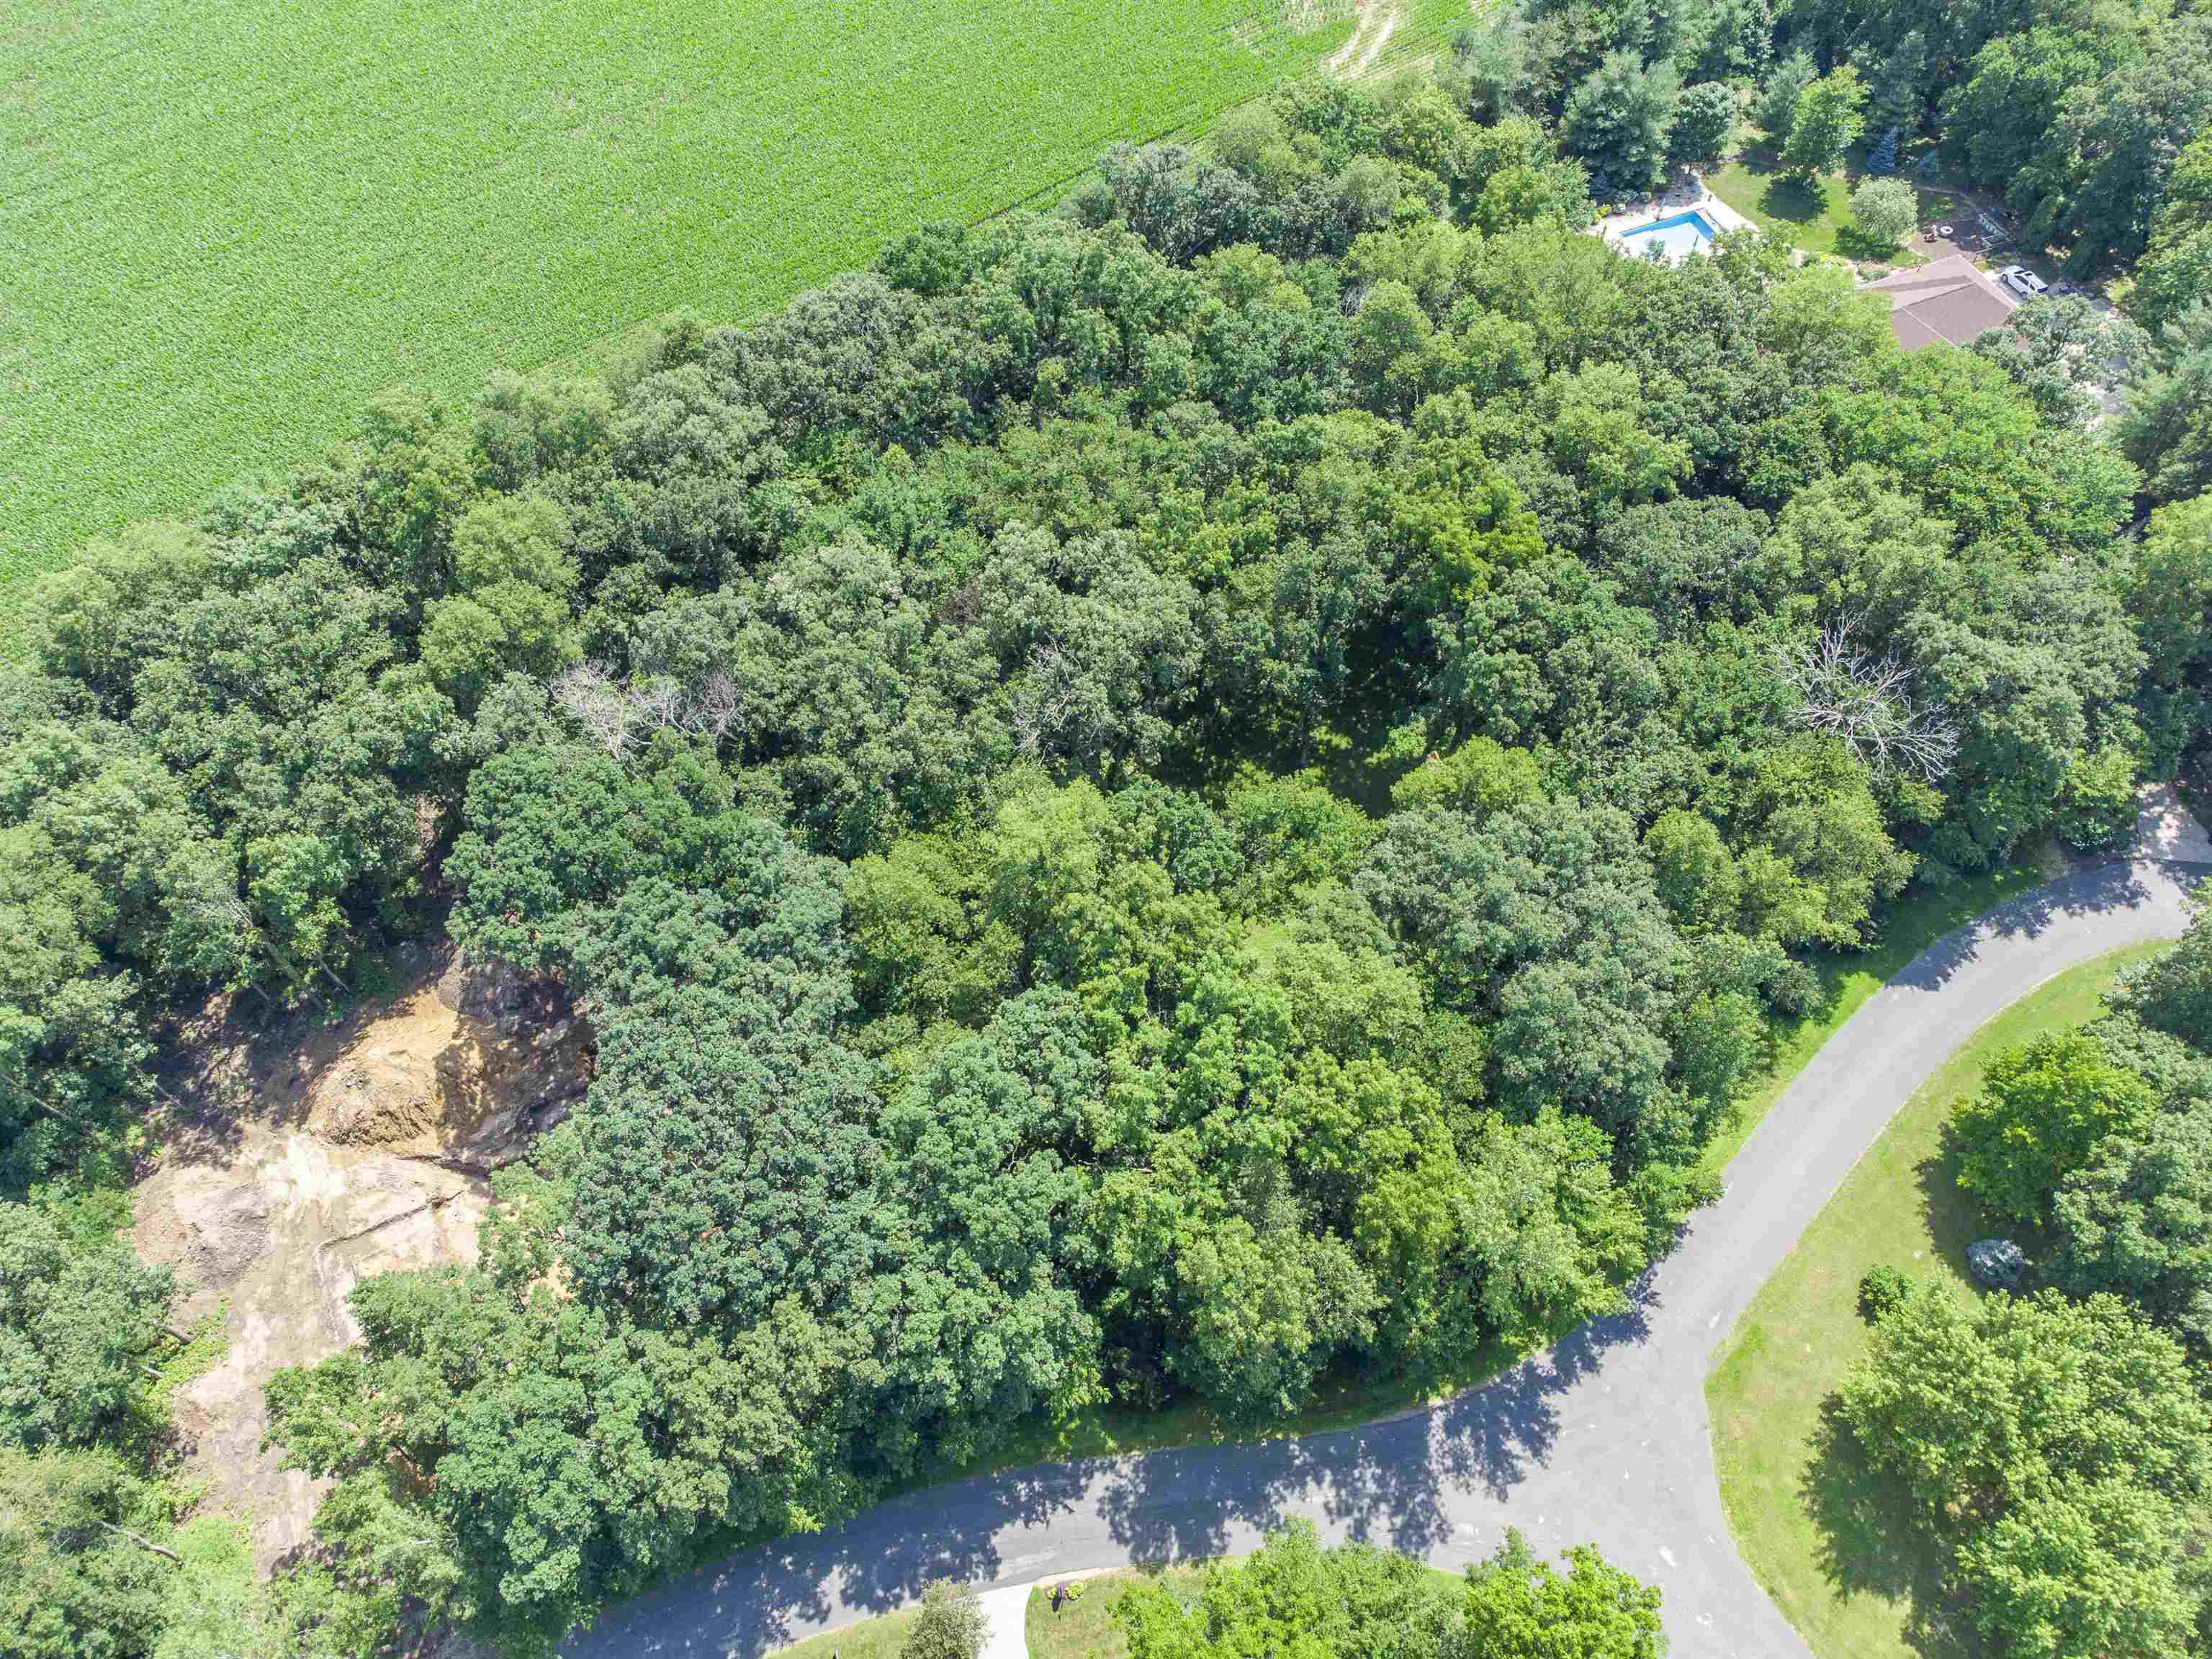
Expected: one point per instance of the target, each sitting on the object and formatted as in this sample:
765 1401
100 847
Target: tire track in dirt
1377 22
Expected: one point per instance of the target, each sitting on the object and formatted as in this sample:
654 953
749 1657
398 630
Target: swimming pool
1676 238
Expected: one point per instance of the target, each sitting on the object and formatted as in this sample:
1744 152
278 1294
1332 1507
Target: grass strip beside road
879 1637
1801 1336
1082 1628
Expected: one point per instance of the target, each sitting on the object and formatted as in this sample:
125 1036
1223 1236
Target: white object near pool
1673 239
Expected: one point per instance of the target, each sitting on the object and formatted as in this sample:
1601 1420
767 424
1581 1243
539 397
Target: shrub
1795 988
950 1626
1882 1289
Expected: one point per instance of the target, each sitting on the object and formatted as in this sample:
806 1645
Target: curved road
1603 1439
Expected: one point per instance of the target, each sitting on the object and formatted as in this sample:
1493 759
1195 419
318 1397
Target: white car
2022 281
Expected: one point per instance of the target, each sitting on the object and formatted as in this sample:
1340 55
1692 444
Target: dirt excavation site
316 1151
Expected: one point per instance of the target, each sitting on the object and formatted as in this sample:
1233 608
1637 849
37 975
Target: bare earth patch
276 1237
462 1071
317 1153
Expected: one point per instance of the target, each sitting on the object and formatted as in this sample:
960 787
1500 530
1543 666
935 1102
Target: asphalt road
1603 1439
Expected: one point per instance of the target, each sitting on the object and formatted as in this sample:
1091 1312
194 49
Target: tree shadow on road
1491 1436
1385 1482
2109 887
764 1598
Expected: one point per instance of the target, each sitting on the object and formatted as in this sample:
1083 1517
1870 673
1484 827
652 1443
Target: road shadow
772 1594
1491 1437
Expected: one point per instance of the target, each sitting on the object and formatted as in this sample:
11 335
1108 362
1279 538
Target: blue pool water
1676 238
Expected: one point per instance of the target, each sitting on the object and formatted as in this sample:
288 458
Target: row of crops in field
226 223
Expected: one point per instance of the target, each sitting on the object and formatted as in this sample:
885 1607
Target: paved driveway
1603 1439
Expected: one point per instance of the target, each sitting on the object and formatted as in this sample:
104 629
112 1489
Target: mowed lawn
225 224
1812 1524
1815 215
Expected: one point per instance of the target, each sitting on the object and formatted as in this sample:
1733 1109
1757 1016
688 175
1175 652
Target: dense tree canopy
2058 1452
1163 800
2041 1113
77 1325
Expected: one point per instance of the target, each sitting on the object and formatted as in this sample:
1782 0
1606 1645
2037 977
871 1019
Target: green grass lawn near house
1802 1334
226 224
1816 215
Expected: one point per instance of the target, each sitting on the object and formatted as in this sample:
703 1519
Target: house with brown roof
1946 300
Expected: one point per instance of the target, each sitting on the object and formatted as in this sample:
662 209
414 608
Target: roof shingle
1948 299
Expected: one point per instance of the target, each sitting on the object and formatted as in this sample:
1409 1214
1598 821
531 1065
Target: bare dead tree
1868 702
1046 700
139 1538
619 717
714 707
600 706
658 702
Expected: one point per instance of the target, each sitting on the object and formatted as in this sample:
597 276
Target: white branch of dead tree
1869 703
1046 700
619 718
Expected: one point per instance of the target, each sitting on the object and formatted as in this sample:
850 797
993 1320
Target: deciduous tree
2042 1111
1826 122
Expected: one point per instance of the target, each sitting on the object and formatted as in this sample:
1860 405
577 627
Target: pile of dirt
464 1072
316 1152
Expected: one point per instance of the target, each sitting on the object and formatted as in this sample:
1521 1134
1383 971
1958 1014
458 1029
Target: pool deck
1682 198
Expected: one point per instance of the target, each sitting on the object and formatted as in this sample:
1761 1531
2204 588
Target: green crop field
226 223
